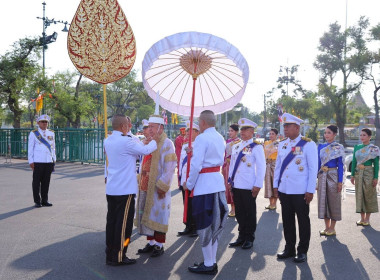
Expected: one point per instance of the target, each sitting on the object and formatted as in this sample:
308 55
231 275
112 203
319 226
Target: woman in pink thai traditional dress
270 150
233 134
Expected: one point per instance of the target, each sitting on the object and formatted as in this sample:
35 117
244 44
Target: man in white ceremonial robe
209 202
155 178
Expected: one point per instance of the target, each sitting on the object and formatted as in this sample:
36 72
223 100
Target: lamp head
65 28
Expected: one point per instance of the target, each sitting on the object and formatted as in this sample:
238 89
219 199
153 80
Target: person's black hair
333 128
274 130
367 131
235 126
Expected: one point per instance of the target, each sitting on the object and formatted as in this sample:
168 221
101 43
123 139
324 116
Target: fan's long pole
105 117
190 144
105 110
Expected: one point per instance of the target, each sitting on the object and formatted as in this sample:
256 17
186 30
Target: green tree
288 75
126 96
343 57
73 99
18 68
375 63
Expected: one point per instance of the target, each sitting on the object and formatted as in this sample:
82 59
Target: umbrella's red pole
190 144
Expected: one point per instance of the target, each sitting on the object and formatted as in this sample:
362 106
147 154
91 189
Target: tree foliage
18 68
343 59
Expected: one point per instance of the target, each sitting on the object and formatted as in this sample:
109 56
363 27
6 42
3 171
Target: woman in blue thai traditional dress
330 180
364 174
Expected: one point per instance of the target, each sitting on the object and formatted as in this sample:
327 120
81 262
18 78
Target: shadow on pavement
268 232
175 192
290 270
83 257
373 237
346 268
16 212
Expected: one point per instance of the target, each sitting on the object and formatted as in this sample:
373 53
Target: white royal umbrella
199 64
193 72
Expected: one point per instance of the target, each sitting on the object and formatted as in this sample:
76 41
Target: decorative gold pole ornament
101 43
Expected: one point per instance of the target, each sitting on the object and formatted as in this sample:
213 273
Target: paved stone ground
67 240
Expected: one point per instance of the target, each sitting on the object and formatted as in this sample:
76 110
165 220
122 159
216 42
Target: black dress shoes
37 205
125 261
215 265
157 251
247 245
147 249
285 254
238 242
193 233
46 204
300 258
186 231
202 269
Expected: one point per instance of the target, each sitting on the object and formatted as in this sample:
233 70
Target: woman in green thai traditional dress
364 174
330 180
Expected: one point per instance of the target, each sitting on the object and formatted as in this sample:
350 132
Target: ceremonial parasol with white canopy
193 72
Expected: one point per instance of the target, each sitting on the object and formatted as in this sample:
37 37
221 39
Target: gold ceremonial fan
101 43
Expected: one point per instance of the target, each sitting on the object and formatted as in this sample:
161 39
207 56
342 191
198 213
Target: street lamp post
45 40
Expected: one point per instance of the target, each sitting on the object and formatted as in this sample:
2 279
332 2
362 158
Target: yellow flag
39 101
173 118
100 119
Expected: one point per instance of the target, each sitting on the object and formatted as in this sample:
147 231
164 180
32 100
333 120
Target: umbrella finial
157 109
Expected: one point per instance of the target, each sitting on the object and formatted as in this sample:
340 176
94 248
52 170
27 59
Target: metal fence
71 144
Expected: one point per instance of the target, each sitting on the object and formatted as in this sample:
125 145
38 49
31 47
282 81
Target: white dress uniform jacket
251 170
121 152
38 152
208 151
300 176
183 167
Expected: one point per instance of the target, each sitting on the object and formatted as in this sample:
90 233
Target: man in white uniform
245 179
295 179
41 157
188 219
121 188
209 202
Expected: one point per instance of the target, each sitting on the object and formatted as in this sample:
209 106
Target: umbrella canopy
170 66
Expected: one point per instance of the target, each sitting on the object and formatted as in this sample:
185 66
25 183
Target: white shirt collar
116 132
249 141
296 140
210 129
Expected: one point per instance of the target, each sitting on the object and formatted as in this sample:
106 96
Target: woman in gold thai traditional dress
330 180
234 139
364 174
270 150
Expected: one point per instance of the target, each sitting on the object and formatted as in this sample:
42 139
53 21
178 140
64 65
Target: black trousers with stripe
121 211
41 181
292 205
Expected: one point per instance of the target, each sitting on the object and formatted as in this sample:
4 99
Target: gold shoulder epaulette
257 142
306 139
34 130
51 130
236 141
284 139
